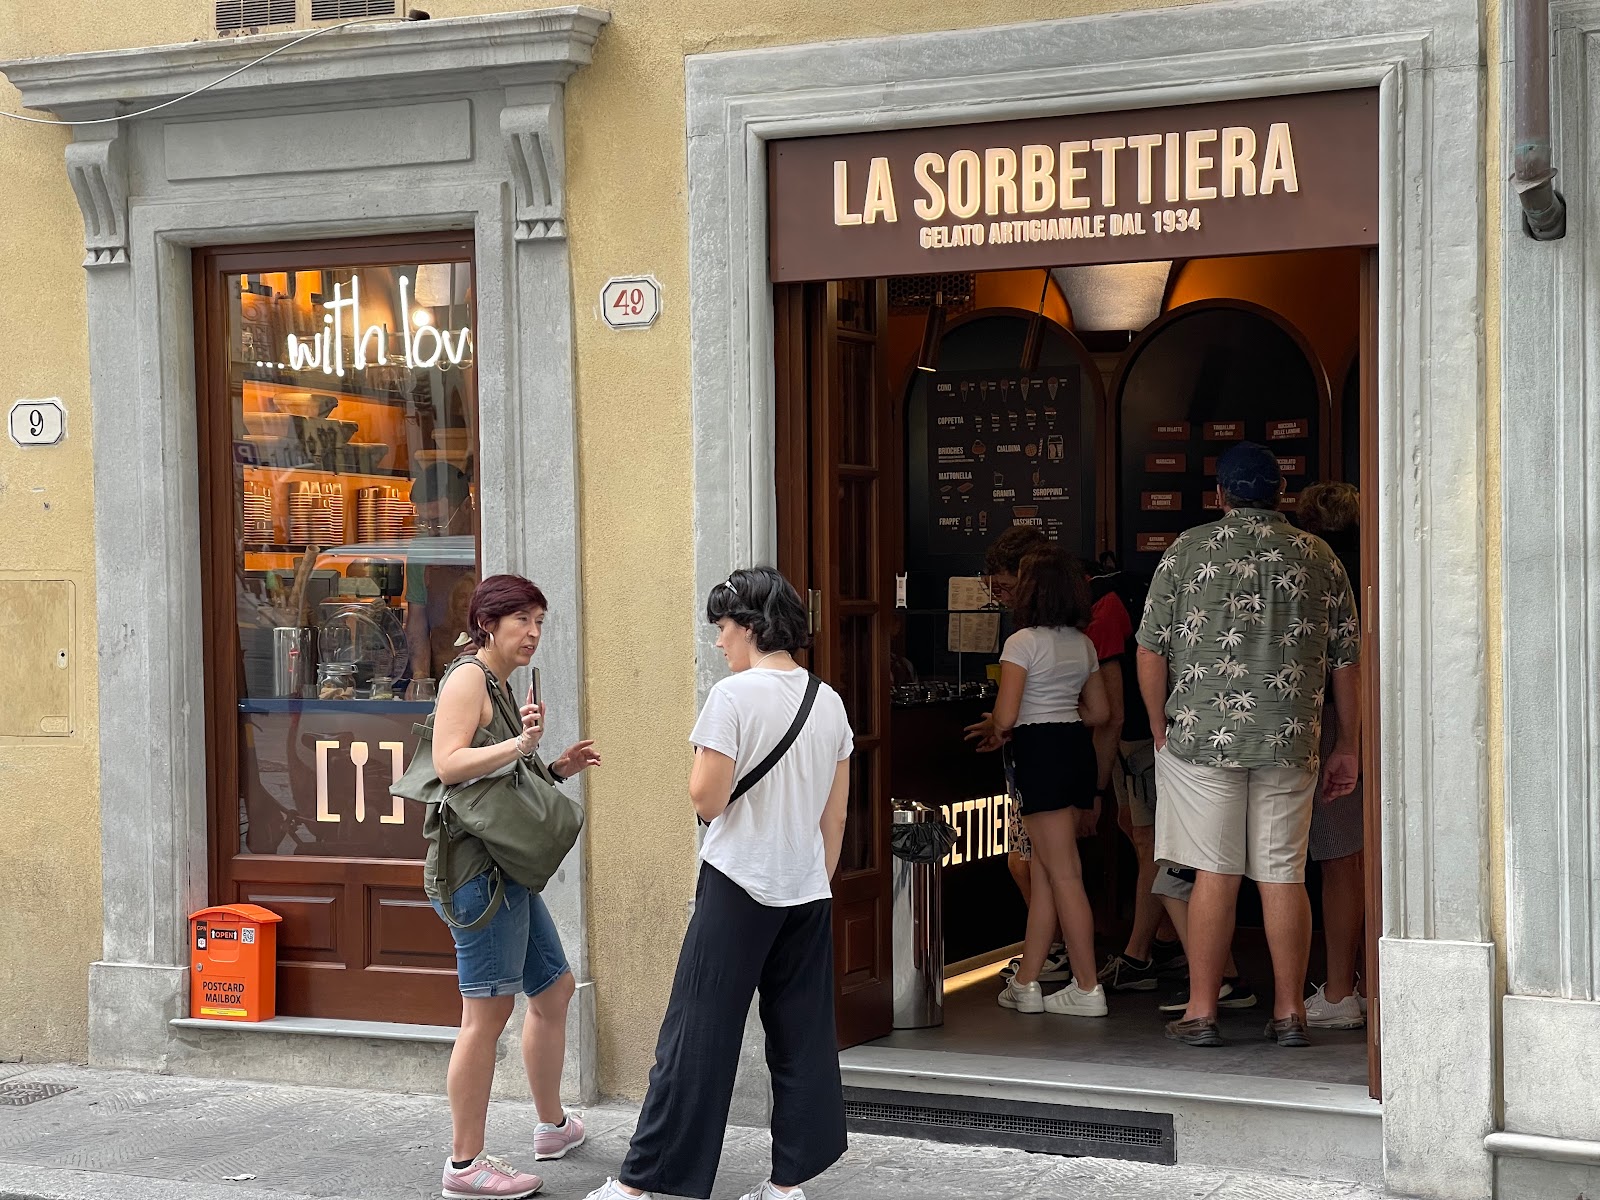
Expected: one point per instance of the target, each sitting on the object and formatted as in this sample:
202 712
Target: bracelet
556 775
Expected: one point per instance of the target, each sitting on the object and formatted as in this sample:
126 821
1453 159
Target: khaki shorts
1232 821
1134 781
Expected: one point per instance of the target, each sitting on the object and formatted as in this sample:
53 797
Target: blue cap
1249 473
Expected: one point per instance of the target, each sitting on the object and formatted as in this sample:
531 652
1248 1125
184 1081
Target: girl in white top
763 916
1050 694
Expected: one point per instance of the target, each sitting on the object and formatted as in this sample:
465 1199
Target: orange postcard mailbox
233 950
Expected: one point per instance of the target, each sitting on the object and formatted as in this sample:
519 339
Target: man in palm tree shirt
1245 619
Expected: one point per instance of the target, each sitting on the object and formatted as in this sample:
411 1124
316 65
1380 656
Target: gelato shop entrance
1054 330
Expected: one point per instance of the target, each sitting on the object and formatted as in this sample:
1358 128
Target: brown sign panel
1211 466
1278 431
1237 177
1172 431
1290 502
1224 431
1292 466
1166 464
1155 543
1160 501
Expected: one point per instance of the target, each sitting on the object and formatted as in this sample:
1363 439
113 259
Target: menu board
1003 449
1173 495
1208 381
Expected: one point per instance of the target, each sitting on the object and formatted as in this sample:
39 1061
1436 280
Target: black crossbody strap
759 771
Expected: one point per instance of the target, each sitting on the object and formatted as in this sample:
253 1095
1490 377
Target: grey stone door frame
1426 59
394 128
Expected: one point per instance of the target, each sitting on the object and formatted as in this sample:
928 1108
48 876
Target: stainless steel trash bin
918 932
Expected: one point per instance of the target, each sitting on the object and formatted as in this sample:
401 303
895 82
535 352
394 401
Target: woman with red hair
519 948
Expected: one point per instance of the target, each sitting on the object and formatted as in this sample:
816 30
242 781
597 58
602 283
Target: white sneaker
1055 970
612 1192
1071 1002
768 1192
1024 998
1322 1013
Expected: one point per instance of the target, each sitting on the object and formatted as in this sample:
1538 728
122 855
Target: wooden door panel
857 953
830 530
311 917
406 932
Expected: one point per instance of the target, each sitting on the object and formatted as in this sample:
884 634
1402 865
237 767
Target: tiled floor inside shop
1132 1036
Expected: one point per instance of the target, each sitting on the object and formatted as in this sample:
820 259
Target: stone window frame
1426 59
503 179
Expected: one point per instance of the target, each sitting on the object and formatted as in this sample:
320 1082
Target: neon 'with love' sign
422 344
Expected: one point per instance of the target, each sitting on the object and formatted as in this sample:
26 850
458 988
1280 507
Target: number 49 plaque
631 302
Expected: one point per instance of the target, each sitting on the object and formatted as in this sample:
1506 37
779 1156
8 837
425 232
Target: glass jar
336 681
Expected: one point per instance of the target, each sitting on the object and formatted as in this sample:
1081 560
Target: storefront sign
981 829
1243 176
1224 431
631 302
38 422
1278 431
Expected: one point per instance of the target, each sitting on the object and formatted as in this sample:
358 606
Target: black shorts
1053 766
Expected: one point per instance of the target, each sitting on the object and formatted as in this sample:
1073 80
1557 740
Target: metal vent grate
344 10
234 15
1024 1125
1050 1127
18 1095
919 291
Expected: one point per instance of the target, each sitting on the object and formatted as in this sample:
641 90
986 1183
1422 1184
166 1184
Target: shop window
339 415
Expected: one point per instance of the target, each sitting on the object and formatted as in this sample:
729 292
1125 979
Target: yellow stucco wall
50 858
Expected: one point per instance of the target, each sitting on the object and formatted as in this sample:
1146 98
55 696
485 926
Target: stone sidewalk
159 1137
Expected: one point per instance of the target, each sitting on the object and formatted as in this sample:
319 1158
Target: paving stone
143 1137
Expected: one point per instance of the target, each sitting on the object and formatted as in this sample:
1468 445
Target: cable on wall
411 15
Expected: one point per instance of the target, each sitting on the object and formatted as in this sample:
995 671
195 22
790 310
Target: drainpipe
1544 211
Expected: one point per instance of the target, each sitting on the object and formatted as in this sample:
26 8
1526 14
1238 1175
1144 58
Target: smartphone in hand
535 694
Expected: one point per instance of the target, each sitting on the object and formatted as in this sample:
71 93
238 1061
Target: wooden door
300 816
839 455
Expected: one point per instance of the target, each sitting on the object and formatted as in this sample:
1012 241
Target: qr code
247 936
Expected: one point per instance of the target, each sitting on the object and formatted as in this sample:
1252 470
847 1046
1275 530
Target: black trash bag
923 842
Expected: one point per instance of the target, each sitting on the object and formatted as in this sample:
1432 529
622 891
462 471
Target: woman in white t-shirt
1050 693
763 916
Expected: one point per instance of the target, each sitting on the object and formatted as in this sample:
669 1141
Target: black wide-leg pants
734 947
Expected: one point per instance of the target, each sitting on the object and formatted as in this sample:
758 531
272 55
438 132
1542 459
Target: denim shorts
518 950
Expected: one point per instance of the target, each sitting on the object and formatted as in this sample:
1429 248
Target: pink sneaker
553 1141
491 1178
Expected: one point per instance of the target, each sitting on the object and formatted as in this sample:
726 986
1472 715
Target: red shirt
1109 627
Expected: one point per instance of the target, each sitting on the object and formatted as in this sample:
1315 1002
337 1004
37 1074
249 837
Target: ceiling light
1114 296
